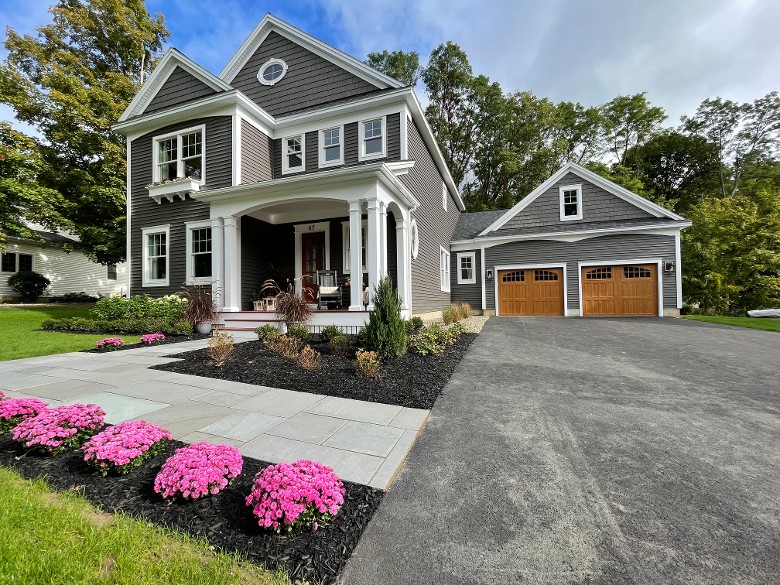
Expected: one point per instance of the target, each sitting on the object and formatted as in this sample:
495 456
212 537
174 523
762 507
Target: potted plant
258 298
201 309
294 309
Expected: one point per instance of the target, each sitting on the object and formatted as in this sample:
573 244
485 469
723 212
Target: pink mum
198 470
15 410
125 446
152 338
60 428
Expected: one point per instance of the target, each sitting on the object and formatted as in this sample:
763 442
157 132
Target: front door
312 258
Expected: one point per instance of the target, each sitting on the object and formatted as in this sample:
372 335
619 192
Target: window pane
25 263
372 129
192 168
191 144
158 268
332 153
168 171
331 137
202 265
111 272
374 146
272 72
167 150
201 240
9 262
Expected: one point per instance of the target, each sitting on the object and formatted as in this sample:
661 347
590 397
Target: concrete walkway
365 442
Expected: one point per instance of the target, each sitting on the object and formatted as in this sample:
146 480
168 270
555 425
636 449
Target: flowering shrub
152 338
109 344
198 470
304 494
15 410
60 428
125 446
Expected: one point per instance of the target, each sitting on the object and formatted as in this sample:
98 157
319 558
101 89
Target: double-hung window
198 252
180 155
294 155
346 239
571 202
111 273
467 268
9 264
444 269
331 146
372 139
155 261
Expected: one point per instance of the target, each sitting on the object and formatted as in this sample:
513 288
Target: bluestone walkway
365 442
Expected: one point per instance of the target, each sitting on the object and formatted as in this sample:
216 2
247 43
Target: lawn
21 335
47 537
749 322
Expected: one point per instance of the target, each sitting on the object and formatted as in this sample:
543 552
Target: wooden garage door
530 292
630 290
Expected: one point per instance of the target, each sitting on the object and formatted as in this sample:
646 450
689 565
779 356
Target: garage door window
514 276
636 272
599 273
541 275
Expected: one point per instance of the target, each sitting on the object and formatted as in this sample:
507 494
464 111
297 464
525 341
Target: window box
171 189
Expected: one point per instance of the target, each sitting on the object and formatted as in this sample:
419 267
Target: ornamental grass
60 428
15 410
121 448
198 470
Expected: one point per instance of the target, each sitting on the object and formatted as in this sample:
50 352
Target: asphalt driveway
592 451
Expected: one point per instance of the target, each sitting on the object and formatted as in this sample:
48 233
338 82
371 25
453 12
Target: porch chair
328 288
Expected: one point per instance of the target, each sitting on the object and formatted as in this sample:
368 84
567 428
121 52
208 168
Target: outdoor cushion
328 290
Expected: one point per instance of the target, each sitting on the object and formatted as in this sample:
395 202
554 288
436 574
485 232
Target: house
577 245
298 158
54 256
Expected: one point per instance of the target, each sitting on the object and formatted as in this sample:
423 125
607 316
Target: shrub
201 305
340 345
417 322
455 312
309 359
294 309
300 495
454 332
153 338
60 428
109 344
329 332
29 285
426 342
15 410
385 332
168 309
198 470
267 332
117 326
284 345
221 346
367 363
121 448
464 309
299 332
79 297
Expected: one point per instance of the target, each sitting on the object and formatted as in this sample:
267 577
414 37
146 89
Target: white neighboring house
69 271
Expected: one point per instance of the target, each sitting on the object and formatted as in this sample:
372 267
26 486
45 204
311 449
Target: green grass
21 334
751 323
47 537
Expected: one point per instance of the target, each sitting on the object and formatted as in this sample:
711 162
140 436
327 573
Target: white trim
286 169
591 177
362 156
444 195
445 273
236 119
414 239
273 61
678 269
345 248
659 271
128 216
322 163
179 160
473 256
404 134
309 228
482 273
158 229
563 265
561 190
188 227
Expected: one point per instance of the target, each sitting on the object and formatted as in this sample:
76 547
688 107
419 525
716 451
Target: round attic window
272 71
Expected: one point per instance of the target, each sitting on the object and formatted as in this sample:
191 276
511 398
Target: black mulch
411 380
169 339
224 520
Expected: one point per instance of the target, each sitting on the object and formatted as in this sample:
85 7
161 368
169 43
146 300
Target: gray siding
603 248
310 80
597 205
179 88
256 153
466 293
435 225
146 213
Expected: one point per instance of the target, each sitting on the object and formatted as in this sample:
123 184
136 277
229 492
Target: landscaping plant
168 309
198 470
267 331
294 309
201 305
123 447
309 359
221 346
60 428
300 332
2 395
14 410
329 332
340 345
84 325
109 344
300 495
367 363
152 338
284 345
455 312
29 285
386 332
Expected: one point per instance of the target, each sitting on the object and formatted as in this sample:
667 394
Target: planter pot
203 328
282 327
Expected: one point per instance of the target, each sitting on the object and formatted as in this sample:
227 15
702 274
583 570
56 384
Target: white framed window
444 269
111 272
571 202
294 154
467 268
199 252
180 154
373 139
155 241
414 239
347 266
444 196
272 71
332 146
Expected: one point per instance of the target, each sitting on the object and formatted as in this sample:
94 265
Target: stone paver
371 412
119 408
243 426
309 428
365 438
280 402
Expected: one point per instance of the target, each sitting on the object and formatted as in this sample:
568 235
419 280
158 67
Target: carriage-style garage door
530 291
630 290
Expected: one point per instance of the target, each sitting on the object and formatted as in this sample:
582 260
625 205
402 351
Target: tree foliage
405 67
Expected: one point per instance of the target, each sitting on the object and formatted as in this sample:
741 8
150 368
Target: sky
678 51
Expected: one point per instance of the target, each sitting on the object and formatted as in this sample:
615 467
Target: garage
531 292
620 290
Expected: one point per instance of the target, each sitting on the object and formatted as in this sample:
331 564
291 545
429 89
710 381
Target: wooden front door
620 290
527 292
312 258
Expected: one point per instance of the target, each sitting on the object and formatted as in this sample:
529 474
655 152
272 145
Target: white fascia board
189 111
338 58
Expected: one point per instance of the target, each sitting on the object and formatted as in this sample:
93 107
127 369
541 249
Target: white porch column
372 249
355 256
402 255
232 278
382 240
217 262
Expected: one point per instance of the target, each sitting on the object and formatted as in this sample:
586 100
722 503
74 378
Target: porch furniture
329 290
270 303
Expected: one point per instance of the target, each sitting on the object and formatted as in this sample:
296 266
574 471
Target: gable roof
173 58
272 23
471 224
605 184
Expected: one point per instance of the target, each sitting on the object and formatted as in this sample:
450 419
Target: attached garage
531 291
630 290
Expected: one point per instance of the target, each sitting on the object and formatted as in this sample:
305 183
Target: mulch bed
411 380
224 520
169 339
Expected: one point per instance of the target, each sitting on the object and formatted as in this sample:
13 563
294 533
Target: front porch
242 324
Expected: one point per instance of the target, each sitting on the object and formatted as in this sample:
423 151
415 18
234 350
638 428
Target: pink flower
198 470
125 446
15 410
60 428
152 338
109 343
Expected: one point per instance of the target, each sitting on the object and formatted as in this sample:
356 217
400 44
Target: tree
628 122
405 67
72 82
